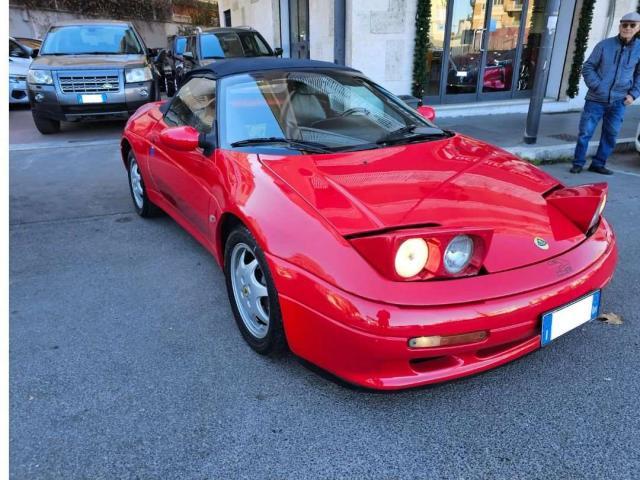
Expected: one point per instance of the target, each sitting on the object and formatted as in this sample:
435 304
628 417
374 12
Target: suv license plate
560 321
96 98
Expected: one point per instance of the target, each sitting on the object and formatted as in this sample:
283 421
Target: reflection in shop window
534 30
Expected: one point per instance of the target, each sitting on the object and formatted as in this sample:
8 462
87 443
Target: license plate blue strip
547 318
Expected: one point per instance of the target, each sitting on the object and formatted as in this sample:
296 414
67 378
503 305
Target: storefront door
482 49
299 28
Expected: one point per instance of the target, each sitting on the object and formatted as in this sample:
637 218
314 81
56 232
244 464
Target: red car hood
455 182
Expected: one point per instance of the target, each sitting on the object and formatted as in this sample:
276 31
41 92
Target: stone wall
35 23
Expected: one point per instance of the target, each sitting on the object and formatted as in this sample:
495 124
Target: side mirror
152 52
207 141
427 112
183 138
278 51
34 52
188 56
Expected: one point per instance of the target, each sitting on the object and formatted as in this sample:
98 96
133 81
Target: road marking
20 147
624 172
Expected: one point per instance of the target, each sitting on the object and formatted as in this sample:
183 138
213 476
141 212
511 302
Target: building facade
480 50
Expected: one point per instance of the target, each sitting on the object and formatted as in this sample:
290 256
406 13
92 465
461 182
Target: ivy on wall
201 13
421 48
582 36
121 9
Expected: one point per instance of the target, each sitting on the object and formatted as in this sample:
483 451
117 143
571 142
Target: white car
19 61
638 138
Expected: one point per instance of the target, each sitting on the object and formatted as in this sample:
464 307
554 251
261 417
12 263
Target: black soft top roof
224 68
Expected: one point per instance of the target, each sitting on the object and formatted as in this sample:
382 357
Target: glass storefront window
531 43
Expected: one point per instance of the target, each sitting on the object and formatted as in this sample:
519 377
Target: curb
564 151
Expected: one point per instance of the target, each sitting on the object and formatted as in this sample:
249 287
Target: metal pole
339 15
542 72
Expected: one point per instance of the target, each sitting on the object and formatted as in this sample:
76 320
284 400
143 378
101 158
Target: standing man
612 73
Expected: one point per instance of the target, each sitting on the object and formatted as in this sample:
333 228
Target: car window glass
222 45
91 39
337 109
181 43
16 50
194 105
253 45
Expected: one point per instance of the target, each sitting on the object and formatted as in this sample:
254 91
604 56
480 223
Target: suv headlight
40 77
134 75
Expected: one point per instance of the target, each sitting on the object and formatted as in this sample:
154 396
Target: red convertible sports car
356 232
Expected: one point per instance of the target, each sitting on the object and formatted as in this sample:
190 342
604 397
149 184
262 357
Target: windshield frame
229 81
140 43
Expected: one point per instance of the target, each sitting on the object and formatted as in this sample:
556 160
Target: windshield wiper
398 136
297 144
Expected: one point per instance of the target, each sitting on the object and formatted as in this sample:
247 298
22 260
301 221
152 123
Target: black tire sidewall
148 209
46 126
274 341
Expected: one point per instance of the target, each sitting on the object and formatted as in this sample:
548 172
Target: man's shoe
600 170
576 169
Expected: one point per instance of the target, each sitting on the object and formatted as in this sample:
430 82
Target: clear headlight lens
411 257
458 254
137 75
40 77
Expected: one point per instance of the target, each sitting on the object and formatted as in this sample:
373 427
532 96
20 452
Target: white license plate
560 321
97 98
461 74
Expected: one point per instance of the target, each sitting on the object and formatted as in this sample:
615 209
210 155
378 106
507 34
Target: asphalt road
125 361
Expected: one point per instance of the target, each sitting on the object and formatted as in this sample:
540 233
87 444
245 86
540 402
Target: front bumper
365 342
18 92
49 102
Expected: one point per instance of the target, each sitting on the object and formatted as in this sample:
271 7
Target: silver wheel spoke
248 292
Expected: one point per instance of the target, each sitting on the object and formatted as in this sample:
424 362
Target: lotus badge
541 243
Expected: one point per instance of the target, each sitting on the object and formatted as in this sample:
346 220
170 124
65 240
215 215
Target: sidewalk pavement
556 138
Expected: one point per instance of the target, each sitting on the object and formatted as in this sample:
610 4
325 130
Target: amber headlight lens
458 254
411 257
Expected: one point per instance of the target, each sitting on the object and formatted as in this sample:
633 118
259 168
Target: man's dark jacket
612 71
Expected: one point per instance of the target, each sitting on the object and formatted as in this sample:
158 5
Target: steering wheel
354 111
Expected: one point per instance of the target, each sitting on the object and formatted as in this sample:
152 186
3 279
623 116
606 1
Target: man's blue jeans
612 115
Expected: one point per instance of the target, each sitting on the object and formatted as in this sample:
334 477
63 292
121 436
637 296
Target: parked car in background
355 231
32 43
90 70
204 47
19 61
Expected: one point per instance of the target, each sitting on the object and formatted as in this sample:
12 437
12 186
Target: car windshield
91 39
233 44
334 110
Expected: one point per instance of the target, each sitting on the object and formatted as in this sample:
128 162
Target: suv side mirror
427 112
184 138
34 52
278 52
187 56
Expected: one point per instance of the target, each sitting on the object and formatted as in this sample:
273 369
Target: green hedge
582 37
421 47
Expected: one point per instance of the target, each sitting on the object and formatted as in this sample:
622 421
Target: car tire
46 126
251 283
143 206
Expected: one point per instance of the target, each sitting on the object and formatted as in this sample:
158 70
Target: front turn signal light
447 340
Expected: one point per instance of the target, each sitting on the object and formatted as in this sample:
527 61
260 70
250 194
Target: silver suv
90 70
